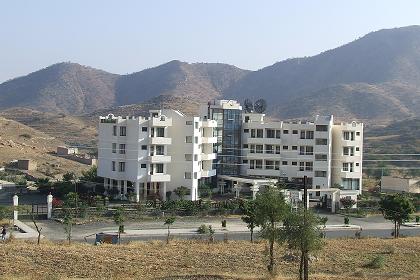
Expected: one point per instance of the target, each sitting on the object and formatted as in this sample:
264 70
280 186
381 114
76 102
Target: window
321 141
188 157
259 149
195 157
246 130
114 148
258 164
196 125
260 133
277 165
269 164
320 157
348 166
159 168
348 151
252 149
301 166
295 132
188 122
285 147
284 162
122 148
196 139
195 175
294 163
294 148
144 147
306 150
121 166
252 133
357 149
113 166
308 134
278 132
160 150
245 146
144 128
320 173
357 164
348 135
322 128
285 131
160 132
114 130
270 133
309 166
246 119
188 139
350 184
245 161
277 150
301 150
252 164
269 149
143 165
123 131
187 175
357 133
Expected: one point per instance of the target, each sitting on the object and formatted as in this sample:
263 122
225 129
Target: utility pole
305 255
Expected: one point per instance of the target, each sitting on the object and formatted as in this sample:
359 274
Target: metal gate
38 211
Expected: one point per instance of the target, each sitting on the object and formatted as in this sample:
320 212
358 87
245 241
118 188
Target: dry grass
340 259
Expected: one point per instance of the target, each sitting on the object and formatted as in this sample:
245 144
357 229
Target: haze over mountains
375 78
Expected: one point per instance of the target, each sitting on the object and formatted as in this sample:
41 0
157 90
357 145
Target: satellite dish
248 106
260 106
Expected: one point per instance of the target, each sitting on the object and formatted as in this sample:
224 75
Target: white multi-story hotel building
154 155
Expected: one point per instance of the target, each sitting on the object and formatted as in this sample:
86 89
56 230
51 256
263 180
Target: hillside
380 68
193 260
18 141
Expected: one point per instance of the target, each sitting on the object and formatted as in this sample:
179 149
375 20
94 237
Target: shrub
223 223
203 229
376 262
346 220
417 219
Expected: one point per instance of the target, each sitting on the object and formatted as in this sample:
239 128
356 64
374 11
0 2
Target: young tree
69 177
90 175
270 210
347 202
302 233
181 192
168 222
249 216
68 223
119 219
38 229
396 208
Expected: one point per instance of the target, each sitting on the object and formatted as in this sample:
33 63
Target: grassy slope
340 259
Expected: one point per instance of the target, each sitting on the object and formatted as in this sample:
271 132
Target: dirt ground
340 259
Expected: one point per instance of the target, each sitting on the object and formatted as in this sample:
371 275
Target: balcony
161 121
208 173
208 156
160 141
159 159
209 140
209 123
159 177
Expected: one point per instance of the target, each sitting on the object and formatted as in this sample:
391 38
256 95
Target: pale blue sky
128 36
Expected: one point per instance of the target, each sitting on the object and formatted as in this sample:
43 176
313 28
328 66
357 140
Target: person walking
3 233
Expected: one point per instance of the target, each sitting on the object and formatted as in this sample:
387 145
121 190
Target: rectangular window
195 175
295 132
245 146
277 165
301 166
123 131
195 157
160 132
309 150
277 150
144 147
144 128
302 134
252 133
284 162
320 157
245 161
294 148
357 149
259 149
159 168
188 157
309 166
270 133
196 125
260 133
252 149
122 148
160 150
114 130
269 164
294 163
196 139
252 164
348 151
322 128
246 130
187 175
143 165
121 166
114 148
310 134
348 135
348 167
113 166
285 131
269 149
258 164
319 173
321 141
278 134
285 147
301 150
357 133
188 139
188 122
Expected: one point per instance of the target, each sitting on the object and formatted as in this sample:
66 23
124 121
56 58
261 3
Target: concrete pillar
15 204
237 189
49 206
119 188
125 190
222 185
137 190
145 190
163 191
333 201
111 184
105 183
254 190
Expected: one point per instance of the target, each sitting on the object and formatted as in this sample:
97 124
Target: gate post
49 205
15 205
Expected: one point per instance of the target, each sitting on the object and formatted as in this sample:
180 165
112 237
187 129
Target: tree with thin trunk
68 223
397 208
270 210
249 216
119 219
38 229
168 222
302 233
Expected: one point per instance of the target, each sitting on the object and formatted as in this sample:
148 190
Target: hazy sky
128 36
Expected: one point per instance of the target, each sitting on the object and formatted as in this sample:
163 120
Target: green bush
346 220
203 229
377 262
417 219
